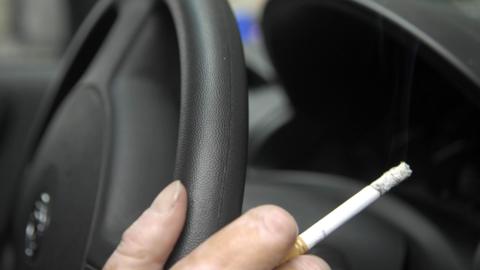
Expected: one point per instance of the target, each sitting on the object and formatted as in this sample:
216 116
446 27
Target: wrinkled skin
259 239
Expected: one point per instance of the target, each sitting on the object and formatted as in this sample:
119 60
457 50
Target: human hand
259 239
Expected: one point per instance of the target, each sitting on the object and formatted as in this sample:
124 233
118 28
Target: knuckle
131 245
277 221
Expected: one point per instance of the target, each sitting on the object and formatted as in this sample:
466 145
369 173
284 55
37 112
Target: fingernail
167 199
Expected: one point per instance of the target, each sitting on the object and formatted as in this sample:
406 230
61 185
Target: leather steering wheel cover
212 143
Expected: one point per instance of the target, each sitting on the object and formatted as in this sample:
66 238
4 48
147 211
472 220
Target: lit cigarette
318 231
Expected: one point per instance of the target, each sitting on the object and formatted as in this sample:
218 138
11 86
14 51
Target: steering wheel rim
96 151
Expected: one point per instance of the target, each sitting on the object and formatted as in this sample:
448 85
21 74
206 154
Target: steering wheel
149 91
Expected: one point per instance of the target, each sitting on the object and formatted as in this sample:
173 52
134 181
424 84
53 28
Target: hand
259 239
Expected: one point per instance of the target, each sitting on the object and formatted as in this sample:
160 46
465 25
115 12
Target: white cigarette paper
318 231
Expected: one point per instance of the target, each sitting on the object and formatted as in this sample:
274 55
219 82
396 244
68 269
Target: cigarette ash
392 178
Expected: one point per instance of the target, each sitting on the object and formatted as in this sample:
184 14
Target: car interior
300 105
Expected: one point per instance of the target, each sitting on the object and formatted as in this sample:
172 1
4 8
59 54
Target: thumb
148 242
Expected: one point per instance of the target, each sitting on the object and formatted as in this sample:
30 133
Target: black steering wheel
150 91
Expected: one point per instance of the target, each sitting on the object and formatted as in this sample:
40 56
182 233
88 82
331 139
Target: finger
257 240
305 262
147 243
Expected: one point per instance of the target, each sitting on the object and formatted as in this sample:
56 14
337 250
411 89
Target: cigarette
351 207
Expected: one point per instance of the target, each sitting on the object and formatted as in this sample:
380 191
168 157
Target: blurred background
41 29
